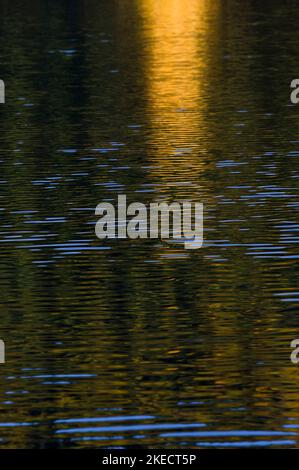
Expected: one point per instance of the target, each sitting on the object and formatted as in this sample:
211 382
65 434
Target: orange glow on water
177 35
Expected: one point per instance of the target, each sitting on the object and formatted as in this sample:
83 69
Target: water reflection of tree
156 329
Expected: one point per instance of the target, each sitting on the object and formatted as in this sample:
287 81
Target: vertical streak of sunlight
177 49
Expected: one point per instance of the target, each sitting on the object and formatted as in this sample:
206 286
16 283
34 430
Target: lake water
143 343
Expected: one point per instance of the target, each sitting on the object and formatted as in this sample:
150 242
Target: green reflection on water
178 99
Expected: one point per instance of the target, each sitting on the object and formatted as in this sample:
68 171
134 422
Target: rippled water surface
143 343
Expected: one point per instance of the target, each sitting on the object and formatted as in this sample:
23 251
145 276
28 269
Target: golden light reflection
177 38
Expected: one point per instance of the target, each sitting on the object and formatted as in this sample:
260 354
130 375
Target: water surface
144 343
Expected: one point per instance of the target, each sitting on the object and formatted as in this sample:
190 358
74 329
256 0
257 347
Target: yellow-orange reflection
177 38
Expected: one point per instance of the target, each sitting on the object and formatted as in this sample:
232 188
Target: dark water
145 344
